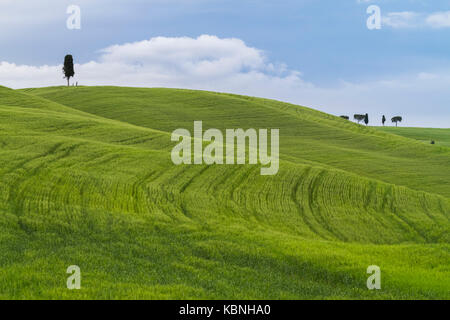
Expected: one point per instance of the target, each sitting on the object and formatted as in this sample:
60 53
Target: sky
323 54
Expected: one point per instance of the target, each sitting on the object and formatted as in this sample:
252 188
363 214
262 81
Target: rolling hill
440 136
87 180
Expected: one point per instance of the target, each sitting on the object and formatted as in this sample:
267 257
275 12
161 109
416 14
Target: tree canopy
396 120
359 117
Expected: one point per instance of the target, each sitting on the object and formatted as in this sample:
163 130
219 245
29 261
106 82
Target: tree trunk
68 83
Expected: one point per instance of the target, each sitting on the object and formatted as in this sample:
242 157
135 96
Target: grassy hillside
87 180
440 136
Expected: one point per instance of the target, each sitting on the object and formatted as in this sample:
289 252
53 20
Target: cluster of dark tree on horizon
365 118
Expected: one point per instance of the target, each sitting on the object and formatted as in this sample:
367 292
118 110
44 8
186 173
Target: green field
86 179
441 137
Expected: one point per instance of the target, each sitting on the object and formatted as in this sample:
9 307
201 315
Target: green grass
440 136
87 180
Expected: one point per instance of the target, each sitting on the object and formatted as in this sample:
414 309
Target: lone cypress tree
68 68
366 119
383 120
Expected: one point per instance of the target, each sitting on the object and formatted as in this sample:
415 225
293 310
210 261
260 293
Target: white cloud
406 19
206 56
410 19
439 20
229 65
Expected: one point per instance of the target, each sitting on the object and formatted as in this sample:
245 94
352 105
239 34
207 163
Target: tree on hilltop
68 69
396 120
359 117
